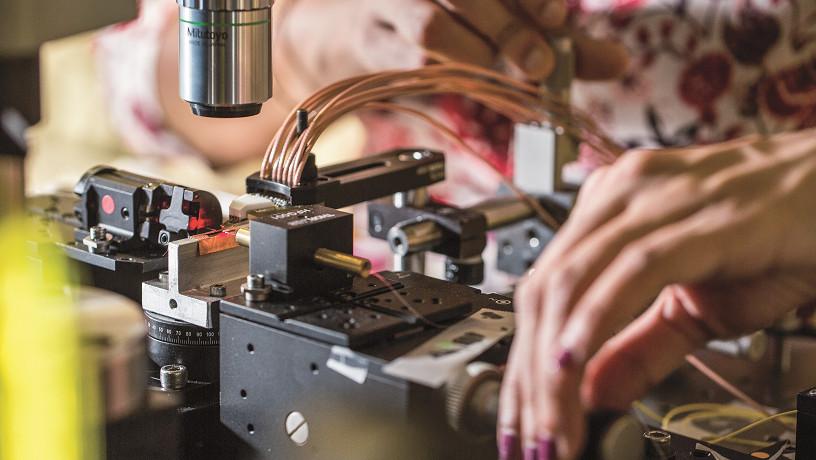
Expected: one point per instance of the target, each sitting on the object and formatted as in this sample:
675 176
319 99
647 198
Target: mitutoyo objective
225 56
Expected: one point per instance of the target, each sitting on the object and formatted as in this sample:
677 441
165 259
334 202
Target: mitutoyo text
206 34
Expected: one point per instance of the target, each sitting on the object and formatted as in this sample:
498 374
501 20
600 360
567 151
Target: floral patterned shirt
701 71
705 70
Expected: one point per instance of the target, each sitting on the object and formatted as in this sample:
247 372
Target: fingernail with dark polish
565 359
530 453
546 449
507 446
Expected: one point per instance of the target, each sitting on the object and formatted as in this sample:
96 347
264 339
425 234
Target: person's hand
726 232
372 35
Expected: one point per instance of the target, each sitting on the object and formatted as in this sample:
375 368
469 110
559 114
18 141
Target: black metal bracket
141 212
358 181
463 231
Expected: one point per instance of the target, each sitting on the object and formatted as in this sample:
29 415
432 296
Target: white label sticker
438 360
346 363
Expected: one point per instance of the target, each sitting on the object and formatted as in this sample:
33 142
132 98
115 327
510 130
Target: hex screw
255 281
218 290
255 289
173 376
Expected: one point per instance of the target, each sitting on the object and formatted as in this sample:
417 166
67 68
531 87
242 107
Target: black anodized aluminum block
284 242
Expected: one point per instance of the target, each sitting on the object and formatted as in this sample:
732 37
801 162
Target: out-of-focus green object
27 24
48 395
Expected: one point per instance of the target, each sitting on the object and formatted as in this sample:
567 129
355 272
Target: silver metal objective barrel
225 56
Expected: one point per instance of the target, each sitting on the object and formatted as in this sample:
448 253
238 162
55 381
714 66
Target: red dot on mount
108 205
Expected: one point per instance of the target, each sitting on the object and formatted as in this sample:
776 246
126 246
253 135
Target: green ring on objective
224 24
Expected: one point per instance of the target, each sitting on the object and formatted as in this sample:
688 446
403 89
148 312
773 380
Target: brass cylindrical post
345 262
242 237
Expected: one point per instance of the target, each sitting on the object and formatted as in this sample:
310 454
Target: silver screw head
255 290
97 241
658 444
255 281
218 290
173 376
657 436
98 233
297 428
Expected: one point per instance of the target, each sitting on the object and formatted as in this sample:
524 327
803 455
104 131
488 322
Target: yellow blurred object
48 394
708 411
751 426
